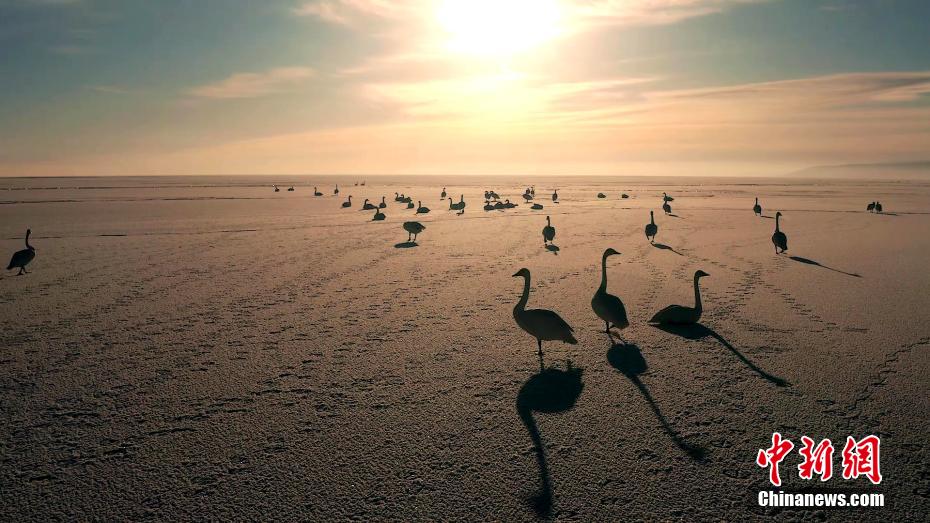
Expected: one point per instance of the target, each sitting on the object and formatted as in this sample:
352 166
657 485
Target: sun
498 28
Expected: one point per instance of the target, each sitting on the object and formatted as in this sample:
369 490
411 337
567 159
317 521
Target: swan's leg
607 327
21 269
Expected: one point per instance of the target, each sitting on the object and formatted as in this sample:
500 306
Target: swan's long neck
549 223
27 240
603 287
776 222
697 294
521 305
652 219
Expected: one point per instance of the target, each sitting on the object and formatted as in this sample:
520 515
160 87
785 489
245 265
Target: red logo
860 458
773 456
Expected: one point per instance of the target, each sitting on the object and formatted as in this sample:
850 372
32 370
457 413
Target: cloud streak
254 85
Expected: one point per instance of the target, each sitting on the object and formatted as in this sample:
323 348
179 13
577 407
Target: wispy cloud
254 85
109 89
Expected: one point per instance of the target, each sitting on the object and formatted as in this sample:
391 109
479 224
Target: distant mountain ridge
900 170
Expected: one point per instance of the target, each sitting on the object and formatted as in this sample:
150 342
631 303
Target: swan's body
410 205
276 188
537 207
607 306
290 189
527 196
336 190
667 208
413 229
378 215
757 208
367 206
878 207
347 203
548 232
421 209
542 324
651 228
488 206
383 204
870 207
316 192
624 196
398 198
443 195
494 196
22 258
601 195
779 238
555 195
509 205
679 314
499 205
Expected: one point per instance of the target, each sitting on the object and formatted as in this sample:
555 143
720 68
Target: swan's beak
515 275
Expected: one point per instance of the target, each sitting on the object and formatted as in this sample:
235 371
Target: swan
398 198
537 207
367 206
488 206
548 232
757 208
509 205
443 195
22 258
533 190
607 306
527 196
667 208
460 206
410 205
382 205
555 196
679 314
499 205
651 228
336 191
348 203
878 207
378 215
624 196
494 195
290 189
276 188
544 325
870 207
421 209
667 198
316 192
778 237
601 195
413 228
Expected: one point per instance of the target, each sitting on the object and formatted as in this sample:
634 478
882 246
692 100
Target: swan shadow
405 245
767 217
666 247
551 390
699 331
673 215
628 359
553 248
818 264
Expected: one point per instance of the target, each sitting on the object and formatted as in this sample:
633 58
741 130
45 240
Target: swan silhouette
542 324
398 198
276 188
410 205
679 314
347 203
367 206
420 208
488 206
527 196
624 196
536 207
413 229
382 205
757 208
336 190
22 258
555 196
667 198
601 195
651 228
667 208
878 207
316 192
290 189
607 306
509 205
870 207
779 238
548 232
494 195
443 195
378 215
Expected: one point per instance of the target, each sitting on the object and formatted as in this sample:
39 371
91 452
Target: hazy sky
460 86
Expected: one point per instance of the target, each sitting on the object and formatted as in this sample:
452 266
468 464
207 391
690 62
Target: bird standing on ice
607 306
347 203
651 228
548 232
779 238
667 208
542 324
413 229
757 208
22 258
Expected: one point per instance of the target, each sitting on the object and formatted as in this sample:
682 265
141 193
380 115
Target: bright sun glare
498 27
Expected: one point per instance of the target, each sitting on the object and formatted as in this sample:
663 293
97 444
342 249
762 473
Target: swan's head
610 252
778 214
522 272
700 274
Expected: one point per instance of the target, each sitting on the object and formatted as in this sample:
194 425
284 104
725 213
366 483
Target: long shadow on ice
818 264
551 390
